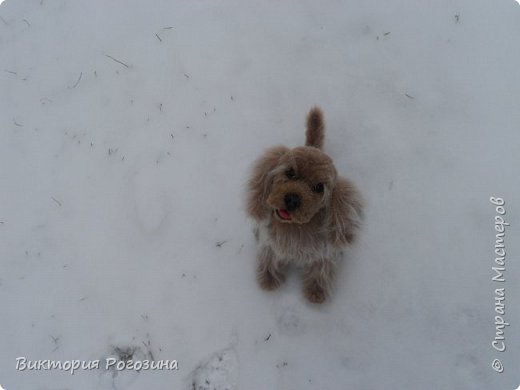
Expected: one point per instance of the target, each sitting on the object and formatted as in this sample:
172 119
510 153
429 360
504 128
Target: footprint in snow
218 372
112 378
289 319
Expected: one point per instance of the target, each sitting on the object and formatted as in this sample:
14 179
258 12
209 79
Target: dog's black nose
292 201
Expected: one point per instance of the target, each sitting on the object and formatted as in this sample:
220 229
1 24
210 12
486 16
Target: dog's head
294 185
300 184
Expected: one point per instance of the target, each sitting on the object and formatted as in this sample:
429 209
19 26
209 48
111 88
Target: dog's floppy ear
345 212
259 185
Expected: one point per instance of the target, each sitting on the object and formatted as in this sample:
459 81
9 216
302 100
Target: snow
127 133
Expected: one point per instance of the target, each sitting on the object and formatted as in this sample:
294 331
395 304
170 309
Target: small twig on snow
116 60
77 82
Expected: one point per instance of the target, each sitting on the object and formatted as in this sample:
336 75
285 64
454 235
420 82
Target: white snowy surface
122 223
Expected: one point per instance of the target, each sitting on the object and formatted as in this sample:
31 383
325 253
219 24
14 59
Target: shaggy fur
305 213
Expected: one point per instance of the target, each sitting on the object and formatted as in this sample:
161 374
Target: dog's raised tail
315 133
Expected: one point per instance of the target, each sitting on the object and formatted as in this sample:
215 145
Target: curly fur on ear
259 184
345 213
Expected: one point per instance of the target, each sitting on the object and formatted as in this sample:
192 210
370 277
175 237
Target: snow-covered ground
127 129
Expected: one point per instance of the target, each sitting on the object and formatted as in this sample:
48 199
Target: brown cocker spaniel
305 213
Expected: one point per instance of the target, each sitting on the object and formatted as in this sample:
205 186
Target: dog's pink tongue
284 214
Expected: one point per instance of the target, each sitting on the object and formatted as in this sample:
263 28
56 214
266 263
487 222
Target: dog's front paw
269 280
314 293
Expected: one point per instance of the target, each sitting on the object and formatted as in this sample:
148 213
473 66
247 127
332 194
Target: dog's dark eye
318 188
290 173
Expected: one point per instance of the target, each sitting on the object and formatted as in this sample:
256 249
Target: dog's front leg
317 280
270 269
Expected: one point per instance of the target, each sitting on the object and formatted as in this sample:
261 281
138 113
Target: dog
305 213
